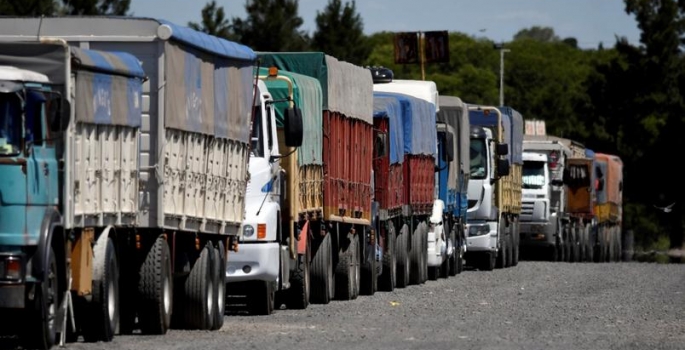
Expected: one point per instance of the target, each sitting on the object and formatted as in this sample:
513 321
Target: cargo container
154 172
334 178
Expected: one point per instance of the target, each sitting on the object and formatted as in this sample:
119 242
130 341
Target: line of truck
153 173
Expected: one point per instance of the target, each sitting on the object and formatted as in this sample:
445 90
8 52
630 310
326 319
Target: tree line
625 99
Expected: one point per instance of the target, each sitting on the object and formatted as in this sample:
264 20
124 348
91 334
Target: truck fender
51 220
304 236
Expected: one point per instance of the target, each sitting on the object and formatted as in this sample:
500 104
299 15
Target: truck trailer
419 104
143 195
331 178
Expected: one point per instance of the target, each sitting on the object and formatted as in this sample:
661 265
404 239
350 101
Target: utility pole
502 51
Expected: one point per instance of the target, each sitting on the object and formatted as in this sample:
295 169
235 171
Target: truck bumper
436 255
253 262
482 237
541 234
12 296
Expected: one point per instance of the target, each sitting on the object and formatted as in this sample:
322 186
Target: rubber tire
101 323
445 266
322 273
424 253
155 289
515 234
388 279
415 258
199 292
42 334
262 298
489 261
345 270
368 283
502 251
219 285
510 247
402 254
297 296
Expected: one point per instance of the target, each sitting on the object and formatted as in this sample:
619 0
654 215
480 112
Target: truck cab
539 222
262 266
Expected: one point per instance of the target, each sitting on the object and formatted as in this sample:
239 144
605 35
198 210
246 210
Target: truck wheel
369 276
589 251
102 318
199 292
445 266
403 262
42 316
219 286
502 252
515 234
345 270
262 298
297 297
415 258
510 246
453 261
424 252
322 280
388 278
155 289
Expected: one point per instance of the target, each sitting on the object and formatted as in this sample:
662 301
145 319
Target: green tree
271 25
214 22
340 33
96 7
544 34
27 7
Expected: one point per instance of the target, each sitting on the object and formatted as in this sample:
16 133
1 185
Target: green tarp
307 95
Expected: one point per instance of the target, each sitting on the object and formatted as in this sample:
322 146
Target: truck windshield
257 143
10 124
533 174
479 159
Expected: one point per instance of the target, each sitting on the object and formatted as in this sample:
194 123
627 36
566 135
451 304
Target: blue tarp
109 87
389 107
418 120
516 130
210 43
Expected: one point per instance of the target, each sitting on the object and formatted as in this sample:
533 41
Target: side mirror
502 149
381 146
59 112
502 167
449 147
293 127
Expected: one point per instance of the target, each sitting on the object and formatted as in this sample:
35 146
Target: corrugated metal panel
389 178
419 184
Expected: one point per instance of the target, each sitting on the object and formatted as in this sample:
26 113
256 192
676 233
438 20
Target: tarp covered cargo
516 131
418 123
612 173
194 133
347 88
390 108
307 95
453 111
422 89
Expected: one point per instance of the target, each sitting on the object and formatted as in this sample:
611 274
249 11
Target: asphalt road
535 305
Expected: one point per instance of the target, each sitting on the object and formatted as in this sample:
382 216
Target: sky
591 22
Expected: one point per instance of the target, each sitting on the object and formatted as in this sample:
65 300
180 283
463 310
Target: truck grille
527 208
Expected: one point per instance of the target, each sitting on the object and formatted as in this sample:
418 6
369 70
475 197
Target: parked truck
273 262
129 211
419 104
608 207
557 218
494 193
329 181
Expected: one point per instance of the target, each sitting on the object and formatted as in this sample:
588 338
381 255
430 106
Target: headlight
478 230
248 231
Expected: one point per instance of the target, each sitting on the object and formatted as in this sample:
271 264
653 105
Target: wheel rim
50 297
111 294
